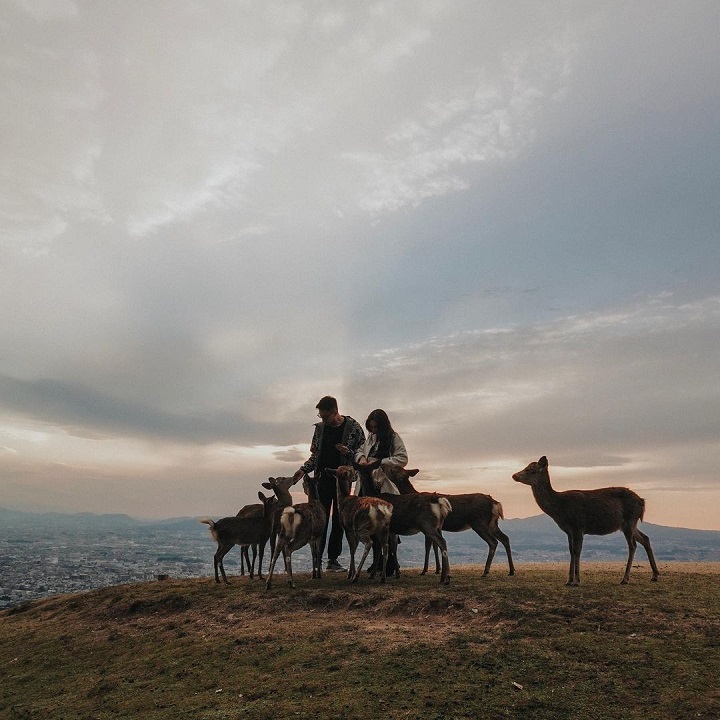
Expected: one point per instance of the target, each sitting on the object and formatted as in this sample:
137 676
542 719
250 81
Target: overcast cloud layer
498 221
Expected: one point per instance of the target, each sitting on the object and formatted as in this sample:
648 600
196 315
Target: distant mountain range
533 539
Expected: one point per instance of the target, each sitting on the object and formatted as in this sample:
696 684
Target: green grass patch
501 647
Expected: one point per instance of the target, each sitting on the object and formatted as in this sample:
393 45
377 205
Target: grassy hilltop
503 647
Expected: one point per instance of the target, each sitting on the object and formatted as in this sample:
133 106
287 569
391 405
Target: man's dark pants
327 492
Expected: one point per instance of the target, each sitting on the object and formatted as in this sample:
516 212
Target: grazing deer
365 520
412 513
474 511
589 512
299 525
281 487
231 531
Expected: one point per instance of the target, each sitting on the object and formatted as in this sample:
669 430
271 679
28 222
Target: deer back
470 510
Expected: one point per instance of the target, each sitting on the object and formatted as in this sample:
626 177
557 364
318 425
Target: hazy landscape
48 554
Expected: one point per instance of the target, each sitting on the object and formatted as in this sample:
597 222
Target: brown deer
364 519
589 512
412 513
281 487
475 511
231 531
299 525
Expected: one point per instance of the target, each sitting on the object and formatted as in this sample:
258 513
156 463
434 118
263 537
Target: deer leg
374 567
644 540
576 544
492 546
279 547
273 541
316 550
216 562
428 545
222 551
261 553
392 555
571 571
383 552
289 569
436 537
368 545
632 545
285 558
252 564
352 545
313 558
505 540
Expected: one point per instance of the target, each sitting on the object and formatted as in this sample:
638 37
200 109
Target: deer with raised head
231 531
589 512
281 487
300 524
470 511
365 520
412 513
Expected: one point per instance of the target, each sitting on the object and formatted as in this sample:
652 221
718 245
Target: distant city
49 554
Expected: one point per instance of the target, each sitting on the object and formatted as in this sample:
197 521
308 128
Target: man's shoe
334 566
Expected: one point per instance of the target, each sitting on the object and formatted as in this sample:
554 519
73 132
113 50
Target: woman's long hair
384 433
384 428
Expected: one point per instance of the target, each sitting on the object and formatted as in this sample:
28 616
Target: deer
299 525
475 511
364 519
281 487
231 531
412 513
589 512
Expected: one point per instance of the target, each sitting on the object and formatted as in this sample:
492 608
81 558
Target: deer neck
367 484
342 492
283 497
545 496
405 486
312 493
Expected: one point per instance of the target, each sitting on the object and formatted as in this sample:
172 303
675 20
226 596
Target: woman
382 447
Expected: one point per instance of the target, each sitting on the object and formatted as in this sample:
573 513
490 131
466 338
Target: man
336 440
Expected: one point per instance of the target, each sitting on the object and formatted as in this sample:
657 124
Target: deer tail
497 512
445 506
211 523
289 520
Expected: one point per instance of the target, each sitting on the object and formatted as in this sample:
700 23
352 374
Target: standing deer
281 487
299 525
589 512
475 511
231 531
412 513
365 520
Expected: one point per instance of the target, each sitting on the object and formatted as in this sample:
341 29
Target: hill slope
519 647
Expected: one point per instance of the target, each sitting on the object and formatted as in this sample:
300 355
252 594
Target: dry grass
502 647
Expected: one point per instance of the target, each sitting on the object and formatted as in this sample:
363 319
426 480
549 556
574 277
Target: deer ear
414 472
262 496
267 485
542 462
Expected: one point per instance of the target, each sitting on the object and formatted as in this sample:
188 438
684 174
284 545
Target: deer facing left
231 531
589 512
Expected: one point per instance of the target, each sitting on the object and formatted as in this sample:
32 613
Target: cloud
602 384
500 226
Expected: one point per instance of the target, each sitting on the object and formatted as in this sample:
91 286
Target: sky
496 220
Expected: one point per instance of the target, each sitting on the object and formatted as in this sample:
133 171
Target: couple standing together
339 440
